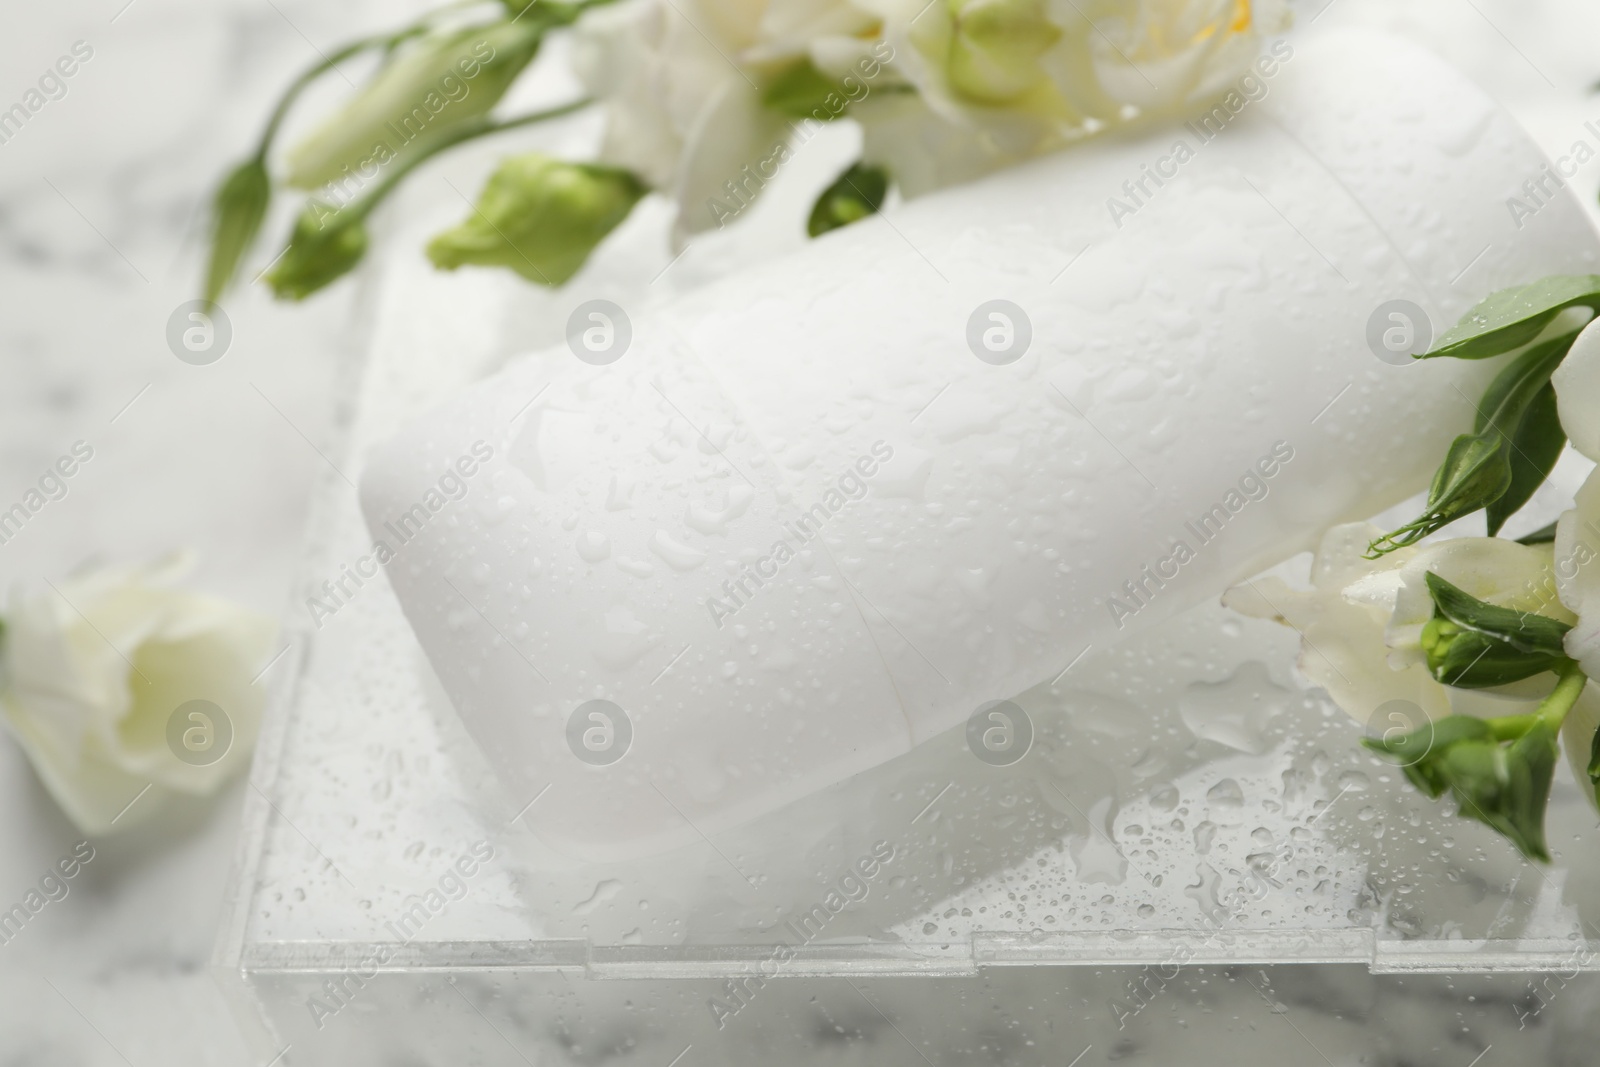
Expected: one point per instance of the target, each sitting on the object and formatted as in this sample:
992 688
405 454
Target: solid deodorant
828 508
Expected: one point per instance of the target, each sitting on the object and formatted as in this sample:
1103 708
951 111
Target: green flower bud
801 91
990 48
1499 770
539 216
236 214
429 88
854 195
1472 644
325 245
1468 659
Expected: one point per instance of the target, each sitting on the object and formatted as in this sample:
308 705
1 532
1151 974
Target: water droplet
604 890
593 546
1097 860
619 495
639 568
1204 892
1235 711
707 519
679 556
1225 794
1354 781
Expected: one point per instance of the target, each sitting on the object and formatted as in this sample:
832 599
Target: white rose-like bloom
996 81
1361 622
682 84
1577 544
1000 81
94 670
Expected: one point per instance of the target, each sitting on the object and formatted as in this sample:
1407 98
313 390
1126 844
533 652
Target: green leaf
1594 759
801 91
1477 470
854 195
237 210
1412 749
539 216
1513 390
1510 790
325 245
1524 631
1499 770
1504 786
1513 317
1534 449
1542 536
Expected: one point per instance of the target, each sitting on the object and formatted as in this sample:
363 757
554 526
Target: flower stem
386 41
1511 727
1554 708
315 71
465 132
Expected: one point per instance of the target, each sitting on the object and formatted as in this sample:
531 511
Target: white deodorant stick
823 510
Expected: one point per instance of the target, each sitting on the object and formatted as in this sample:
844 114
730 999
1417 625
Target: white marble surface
98 243
98 227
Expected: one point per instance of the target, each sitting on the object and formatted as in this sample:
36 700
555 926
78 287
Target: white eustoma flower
1002 80
1577 544
1577 383
1361 622
996 81
1577 548
114 681
682 84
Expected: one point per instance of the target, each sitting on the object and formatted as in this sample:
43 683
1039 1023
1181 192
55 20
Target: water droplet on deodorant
1235 711
1225 794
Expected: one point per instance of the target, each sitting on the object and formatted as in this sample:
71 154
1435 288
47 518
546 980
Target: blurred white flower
1577 544
1000 81
113 681
1577 737
682 84
1361 622
1577 382
995 82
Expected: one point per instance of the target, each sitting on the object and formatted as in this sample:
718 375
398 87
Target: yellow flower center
1158 27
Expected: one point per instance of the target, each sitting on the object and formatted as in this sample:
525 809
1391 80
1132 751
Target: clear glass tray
1186 808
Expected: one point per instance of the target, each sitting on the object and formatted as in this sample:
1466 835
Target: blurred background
102 227
102 196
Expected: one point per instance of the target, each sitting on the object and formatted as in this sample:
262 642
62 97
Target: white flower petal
95 669
732 149
1361 623
1577 572
926 150
1492 569
1342 640
1577 383
1577 737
